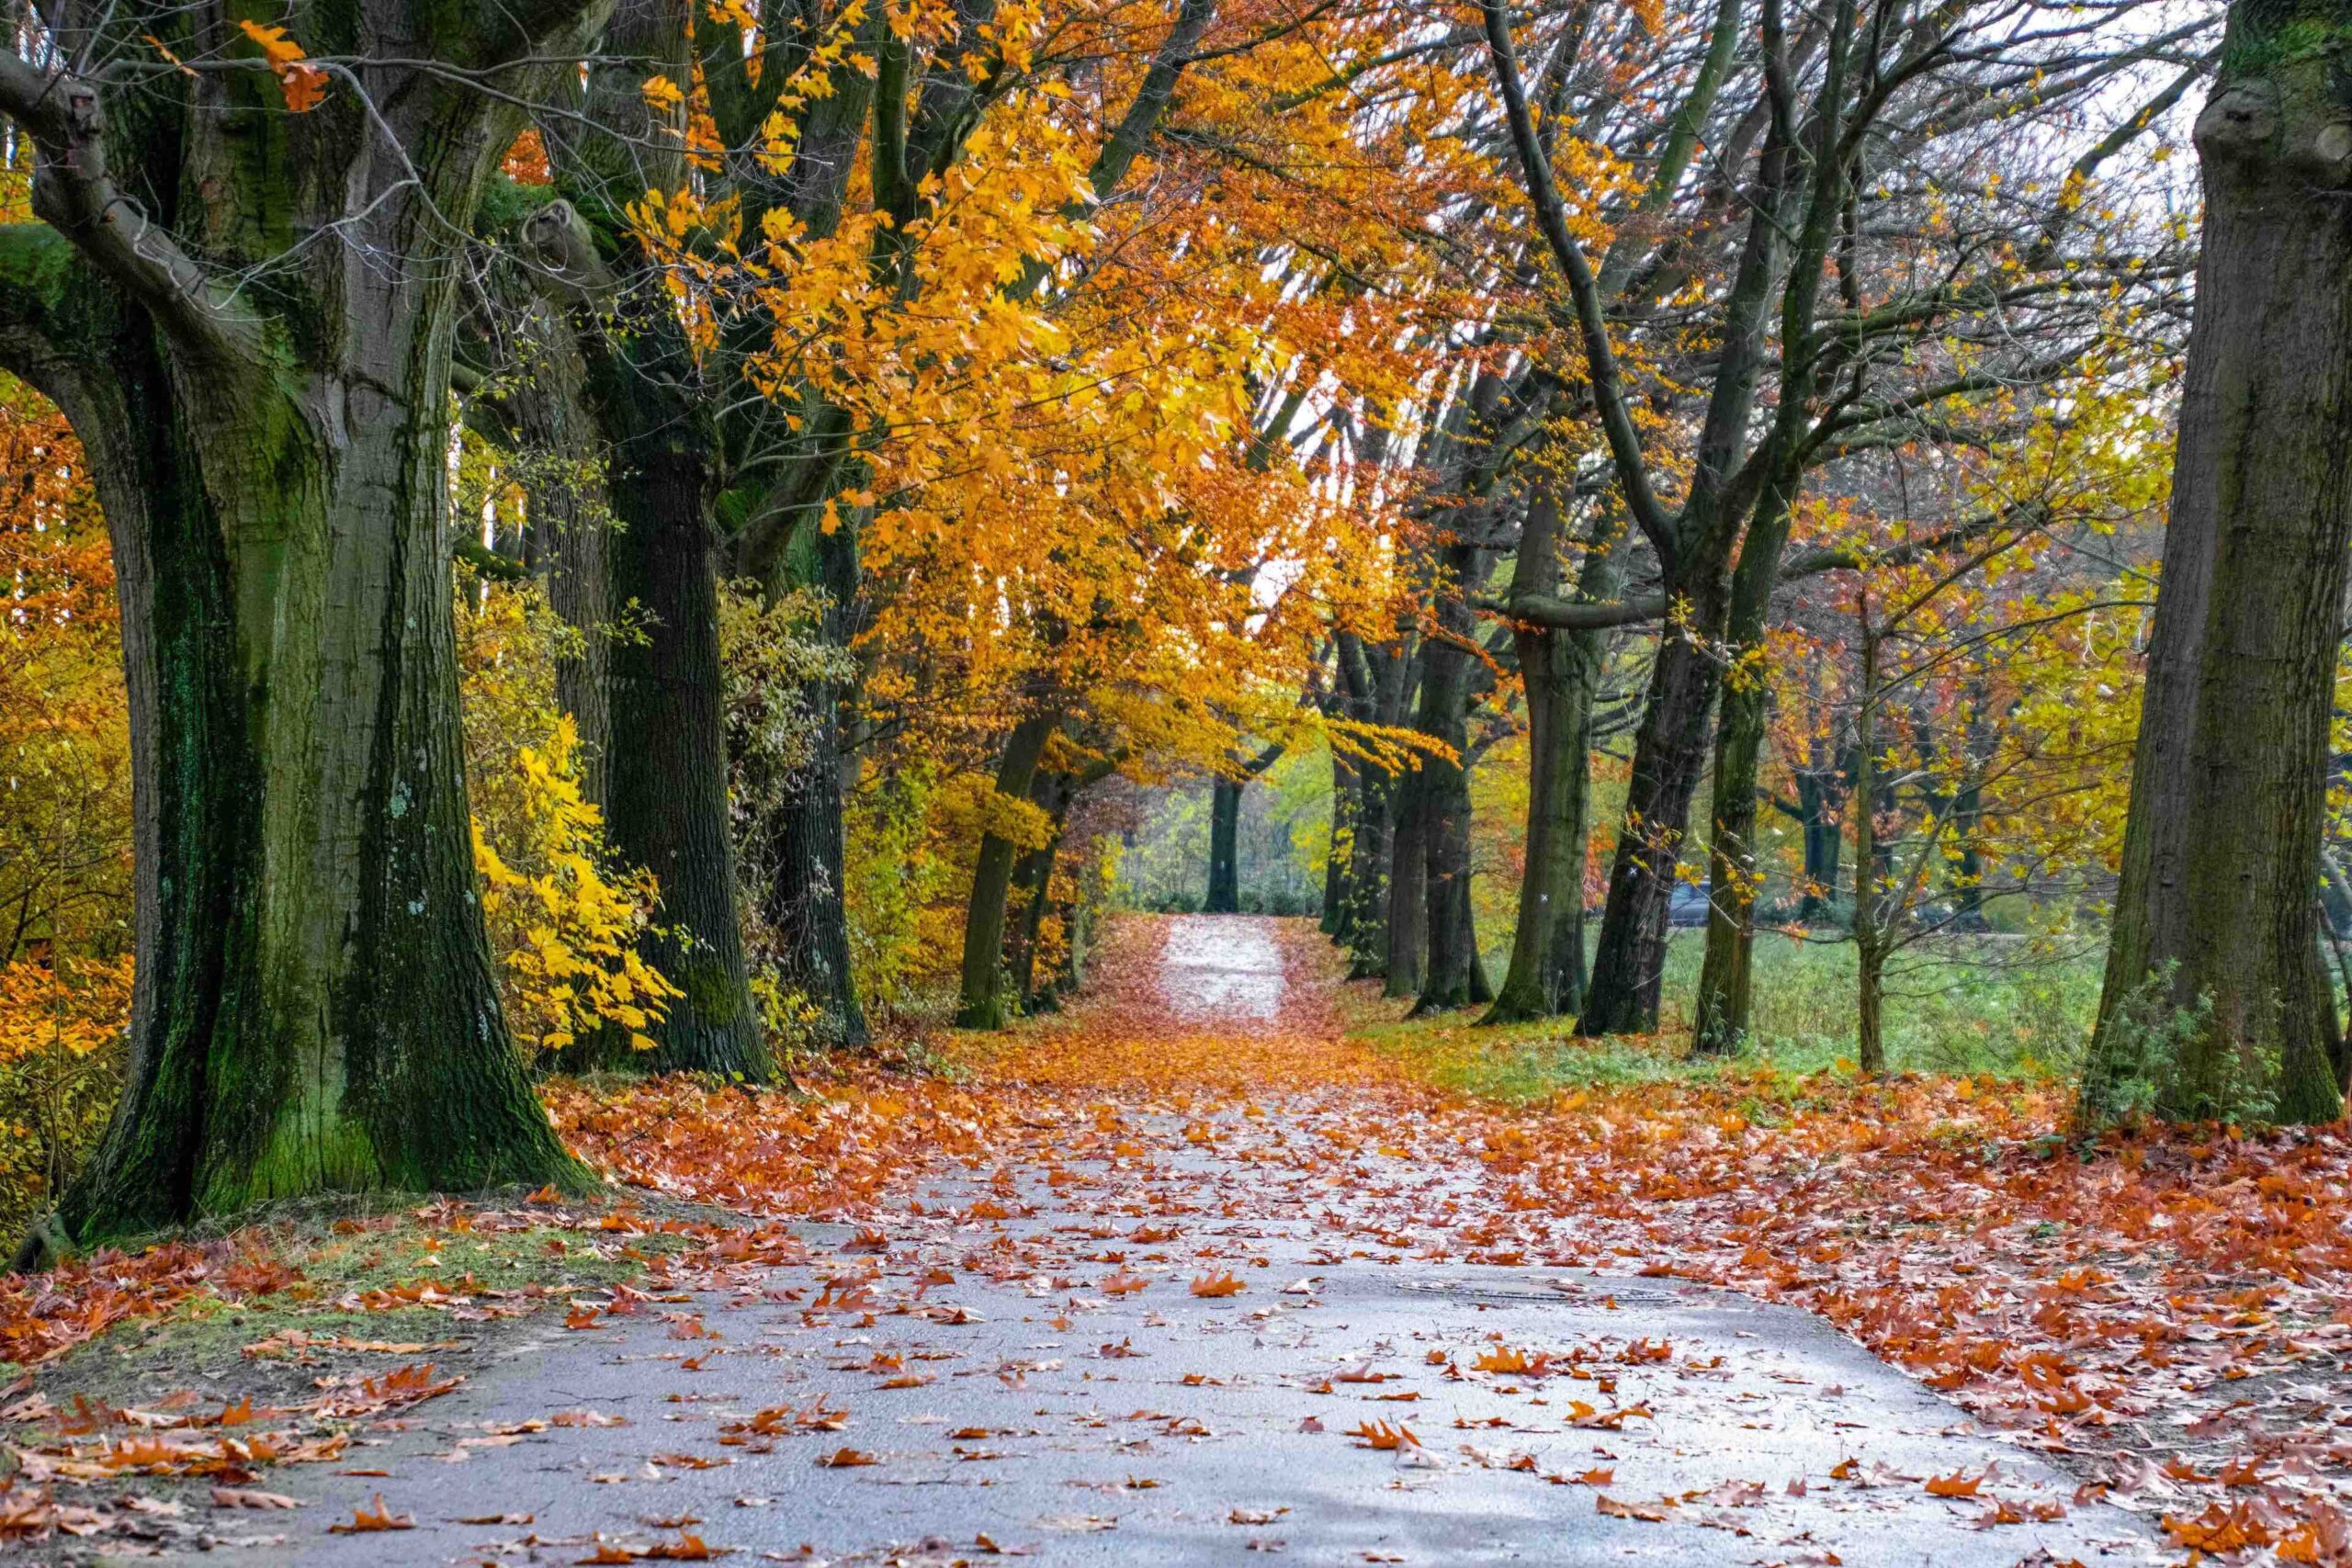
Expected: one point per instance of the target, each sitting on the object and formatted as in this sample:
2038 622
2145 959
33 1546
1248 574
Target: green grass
1955 1005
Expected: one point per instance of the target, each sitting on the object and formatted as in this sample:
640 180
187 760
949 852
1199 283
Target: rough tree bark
316 1009
1726 975
804 898
1032 879
2228 780
1405 908
664 772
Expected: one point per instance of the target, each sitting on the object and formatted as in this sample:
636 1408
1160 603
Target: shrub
564 919
2154 1057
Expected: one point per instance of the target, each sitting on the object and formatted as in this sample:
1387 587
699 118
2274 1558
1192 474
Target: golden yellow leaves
304 85
74 1005
564 923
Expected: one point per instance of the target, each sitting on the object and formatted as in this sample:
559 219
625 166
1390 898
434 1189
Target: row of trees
1867 413
914 409
972 399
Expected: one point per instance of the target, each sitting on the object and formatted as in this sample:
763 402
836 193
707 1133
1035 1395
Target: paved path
1025 1408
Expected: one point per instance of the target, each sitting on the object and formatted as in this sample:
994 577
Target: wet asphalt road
1037 1414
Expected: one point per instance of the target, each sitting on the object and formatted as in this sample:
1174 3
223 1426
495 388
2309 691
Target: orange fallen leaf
1381 1435
1617 1510
846 1458
1956 1484
363 1522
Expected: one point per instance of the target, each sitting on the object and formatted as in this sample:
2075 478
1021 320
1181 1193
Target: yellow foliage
564 922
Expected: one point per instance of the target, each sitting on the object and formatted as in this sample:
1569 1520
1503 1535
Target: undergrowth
1965 1008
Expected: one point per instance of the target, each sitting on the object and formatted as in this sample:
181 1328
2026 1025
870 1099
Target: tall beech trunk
1225 848
804 899
1454 976
1669 758
1033 878
1561 670
665 801
665 774
986 1001
1726 975
569 530
1370 858
1338 868
1869 883
2228 780
1406 907
316 1009
1371 686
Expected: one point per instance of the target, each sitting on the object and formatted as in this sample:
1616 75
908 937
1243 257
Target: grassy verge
1962 1006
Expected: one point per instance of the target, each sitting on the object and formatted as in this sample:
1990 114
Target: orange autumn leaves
1108 441
304 83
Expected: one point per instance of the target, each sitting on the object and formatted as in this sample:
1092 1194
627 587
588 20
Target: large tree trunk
316 1009
1225 848
1561 670
1726 977
1370 857
562 470
665 803
1669 758
1407 907
2229 779
1367 684
1454 977
805 900
986 1001
664 776
1338 872
1033 878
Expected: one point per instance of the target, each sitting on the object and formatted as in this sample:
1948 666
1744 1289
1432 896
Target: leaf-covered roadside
2162 1315
2171 1310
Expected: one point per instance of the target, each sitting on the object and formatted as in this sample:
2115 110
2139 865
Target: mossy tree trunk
664 771
805 896
2228 782
1032 881
1726 975
1338 869
1406 905
316 1009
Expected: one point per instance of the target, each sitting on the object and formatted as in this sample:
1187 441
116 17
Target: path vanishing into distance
1199 1302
